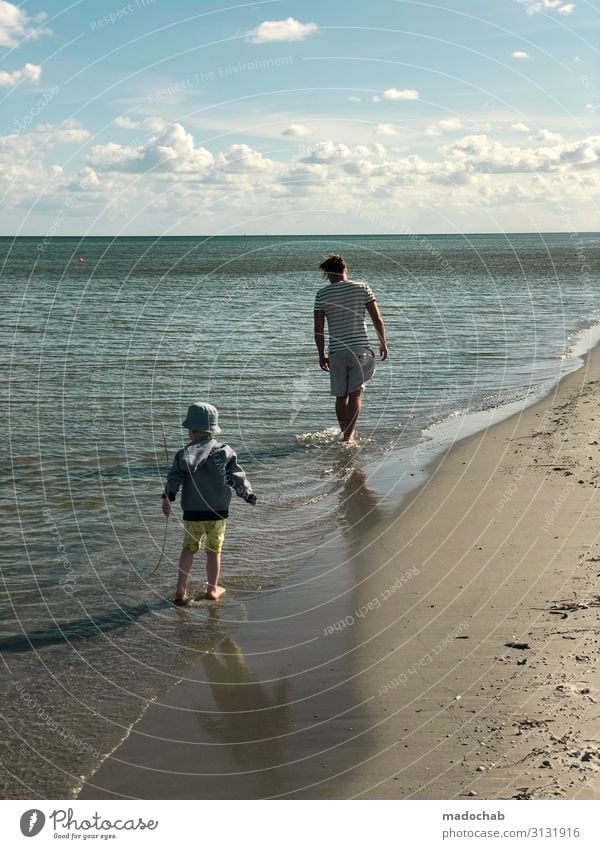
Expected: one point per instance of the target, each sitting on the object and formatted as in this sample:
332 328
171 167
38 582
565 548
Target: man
351 362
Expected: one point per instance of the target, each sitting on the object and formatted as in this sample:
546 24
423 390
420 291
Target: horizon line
305 235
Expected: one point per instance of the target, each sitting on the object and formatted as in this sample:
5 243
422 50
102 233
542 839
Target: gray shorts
350 369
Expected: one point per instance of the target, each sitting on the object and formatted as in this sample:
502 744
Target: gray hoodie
207 469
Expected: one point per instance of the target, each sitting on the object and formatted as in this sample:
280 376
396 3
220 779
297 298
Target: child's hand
166 507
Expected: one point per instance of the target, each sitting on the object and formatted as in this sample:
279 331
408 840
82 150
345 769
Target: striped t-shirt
344 305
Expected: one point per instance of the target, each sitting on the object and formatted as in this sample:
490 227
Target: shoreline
354 700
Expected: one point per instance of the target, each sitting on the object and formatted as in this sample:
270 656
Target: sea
106 343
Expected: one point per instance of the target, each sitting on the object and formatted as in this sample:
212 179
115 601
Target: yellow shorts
212 532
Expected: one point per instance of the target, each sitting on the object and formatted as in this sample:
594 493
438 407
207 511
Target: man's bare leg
352 413
341 403
213 568
186 561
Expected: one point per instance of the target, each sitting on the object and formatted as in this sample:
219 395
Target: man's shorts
213 534
350 369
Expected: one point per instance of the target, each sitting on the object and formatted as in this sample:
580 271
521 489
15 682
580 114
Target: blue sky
205 117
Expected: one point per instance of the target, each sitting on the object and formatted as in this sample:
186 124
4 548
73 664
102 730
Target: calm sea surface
99 355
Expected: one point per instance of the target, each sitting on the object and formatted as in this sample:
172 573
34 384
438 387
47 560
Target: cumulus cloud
520 127
547 137
180 177
297 131
444 126
386 130
287 30
535 6
354 99
591 108
27 74
16 25
480 153
519 54
241 159
172 150
151 122
69 132
125 122
400 94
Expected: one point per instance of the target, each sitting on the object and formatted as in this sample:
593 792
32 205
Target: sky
196 117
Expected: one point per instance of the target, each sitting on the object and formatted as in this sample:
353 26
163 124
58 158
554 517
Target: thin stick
162 552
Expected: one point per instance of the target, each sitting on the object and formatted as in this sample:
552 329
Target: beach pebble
471 793
480 768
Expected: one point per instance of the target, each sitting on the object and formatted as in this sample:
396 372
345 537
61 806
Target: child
207 469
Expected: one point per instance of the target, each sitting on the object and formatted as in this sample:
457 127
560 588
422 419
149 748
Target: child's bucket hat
202 417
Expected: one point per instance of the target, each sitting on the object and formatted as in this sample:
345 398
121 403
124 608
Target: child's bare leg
186 561
213 568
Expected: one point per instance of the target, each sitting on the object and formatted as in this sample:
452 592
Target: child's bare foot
213 593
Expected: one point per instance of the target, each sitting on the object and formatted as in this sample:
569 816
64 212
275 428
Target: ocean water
100 356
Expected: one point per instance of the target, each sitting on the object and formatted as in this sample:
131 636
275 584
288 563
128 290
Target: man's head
334 268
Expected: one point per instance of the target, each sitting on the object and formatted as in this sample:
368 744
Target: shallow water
101 353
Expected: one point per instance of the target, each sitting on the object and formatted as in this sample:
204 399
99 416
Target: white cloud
27 74
297 131
386 130
125 122
591 108
237 183
520 54
16 25
547 137
520 127
173 153
400 94
535 6
241 159
287 30
354 99
152 123
444 126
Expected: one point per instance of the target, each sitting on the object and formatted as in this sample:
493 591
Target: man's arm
320 339
377 320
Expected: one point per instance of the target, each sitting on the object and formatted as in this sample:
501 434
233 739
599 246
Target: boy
207 469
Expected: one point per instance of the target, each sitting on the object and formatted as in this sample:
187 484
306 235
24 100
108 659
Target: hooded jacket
207 470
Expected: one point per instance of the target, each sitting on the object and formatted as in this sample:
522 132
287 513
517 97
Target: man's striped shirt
344 306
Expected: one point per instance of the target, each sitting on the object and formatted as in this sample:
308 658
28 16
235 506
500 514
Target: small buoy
81 259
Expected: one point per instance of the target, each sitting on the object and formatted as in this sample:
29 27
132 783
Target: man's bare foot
181 600
213 593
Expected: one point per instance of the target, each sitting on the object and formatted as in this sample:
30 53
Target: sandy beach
449 651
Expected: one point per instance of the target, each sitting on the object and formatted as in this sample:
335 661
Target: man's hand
166 507
383 350
324 363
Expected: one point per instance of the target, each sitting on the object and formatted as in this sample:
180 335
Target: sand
450 651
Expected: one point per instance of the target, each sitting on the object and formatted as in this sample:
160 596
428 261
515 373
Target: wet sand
385 670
